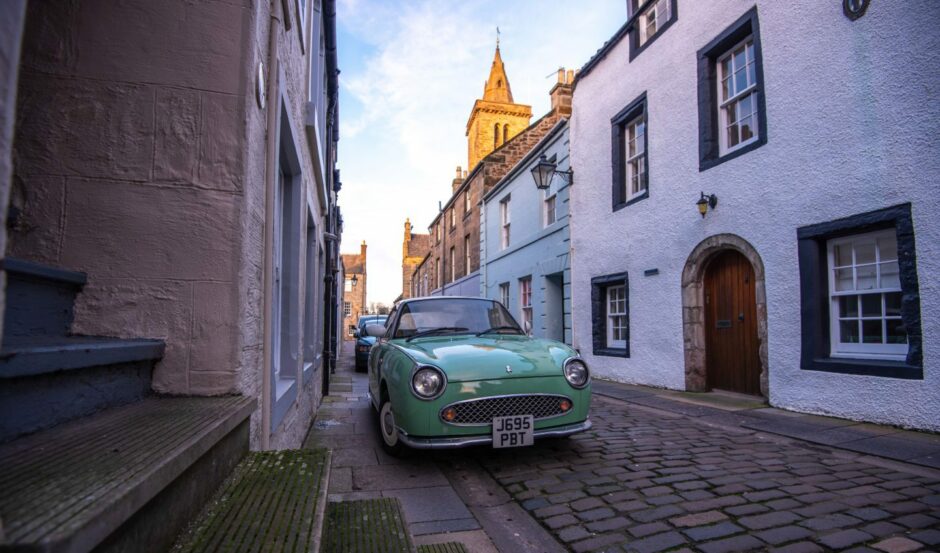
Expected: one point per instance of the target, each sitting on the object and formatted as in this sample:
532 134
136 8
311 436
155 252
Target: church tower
495 118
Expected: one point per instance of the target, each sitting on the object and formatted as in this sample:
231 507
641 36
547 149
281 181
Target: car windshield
454 316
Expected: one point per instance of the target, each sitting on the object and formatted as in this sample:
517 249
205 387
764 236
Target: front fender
411 413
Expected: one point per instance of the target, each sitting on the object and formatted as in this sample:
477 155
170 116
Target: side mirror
375 330
527 328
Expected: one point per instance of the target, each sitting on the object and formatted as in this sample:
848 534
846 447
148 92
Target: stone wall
141 159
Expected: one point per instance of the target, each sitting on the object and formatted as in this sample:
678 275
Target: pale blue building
525 245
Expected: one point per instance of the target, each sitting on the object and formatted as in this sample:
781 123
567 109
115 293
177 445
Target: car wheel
390 439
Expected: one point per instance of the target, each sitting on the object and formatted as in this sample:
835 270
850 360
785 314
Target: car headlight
428 382
576 373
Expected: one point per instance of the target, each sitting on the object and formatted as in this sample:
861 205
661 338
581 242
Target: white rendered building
807 132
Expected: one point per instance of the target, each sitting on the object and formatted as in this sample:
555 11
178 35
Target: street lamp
545 170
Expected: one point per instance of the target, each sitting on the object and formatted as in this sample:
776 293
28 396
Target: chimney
362 250
458 180
561 93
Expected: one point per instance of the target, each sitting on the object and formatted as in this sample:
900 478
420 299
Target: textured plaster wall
534 249
141 159
12 18
852 114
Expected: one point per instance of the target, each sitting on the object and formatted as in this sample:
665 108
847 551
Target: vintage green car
452 372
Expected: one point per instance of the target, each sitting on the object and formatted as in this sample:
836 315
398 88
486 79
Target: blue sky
410 72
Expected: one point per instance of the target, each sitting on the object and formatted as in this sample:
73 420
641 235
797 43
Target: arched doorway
724 316
731 345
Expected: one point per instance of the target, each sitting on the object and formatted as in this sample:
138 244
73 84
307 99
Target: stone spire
495 118
497 87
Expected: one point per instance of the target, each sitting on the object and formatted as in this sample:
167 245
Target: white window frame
347 309
614 312
861 350
453 217
550 208
734 100
634 134
525 302
504 221
453 266
438 272
466 254
466 202
661 11
504 293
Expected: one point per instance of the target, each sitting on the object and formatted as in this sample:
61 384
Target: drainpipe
483 262
270 186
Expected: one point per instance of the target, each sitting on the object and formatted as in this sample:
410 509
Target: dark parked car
364 343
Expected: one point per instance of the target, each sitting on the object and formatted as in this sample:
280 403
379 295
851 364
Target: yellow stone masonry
495 119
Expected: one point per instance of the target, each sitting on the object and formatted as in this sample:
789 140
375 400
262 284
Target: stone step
48 380
366 526
126 479
39 299
274 501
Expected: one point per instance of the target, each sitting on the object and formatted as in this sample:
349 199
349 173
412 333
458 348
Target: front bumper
467 441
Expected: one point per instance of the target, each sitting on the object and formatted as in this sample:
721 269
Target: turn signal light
564 404
449 414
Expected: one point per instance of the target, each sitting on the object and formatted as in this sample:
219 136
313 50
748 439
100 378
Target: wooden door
731 344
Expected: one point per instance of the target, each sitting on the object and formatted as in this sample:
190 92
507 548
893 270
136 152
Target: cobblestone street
646 480
642 480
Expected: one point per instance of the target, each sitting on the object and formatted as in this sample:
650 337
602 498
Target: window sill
708 163
634 36
633 200
864 367
612 352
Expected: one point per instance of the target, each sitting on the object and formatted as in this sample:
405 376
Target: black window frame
599 286
708 120
815 302
633 110
635 47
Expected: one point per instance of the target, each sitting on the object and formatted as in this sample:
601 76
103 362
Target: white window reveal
504 223
635 146
549 208
617 316
653 18
525 302
737 93
466 254
865 295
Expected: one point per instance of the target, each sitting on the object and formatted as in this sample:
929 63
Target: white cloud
425 65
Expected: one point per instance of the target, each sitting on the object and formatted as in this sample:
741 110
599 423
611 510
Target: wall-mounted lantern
354 280
545 170
854 9
706 202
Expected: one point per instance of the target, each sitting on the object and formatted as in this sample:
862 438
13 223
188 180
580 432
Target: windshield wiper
498 328
431 331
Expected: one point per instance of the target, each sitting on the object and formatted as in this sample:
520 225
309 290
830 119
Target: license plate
513 431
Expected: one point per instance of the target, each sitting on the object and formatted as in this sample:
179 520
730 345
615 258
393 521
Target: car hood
469 358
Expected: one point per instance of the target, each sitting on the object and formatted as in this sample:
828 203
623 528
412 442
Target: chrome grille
482 411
